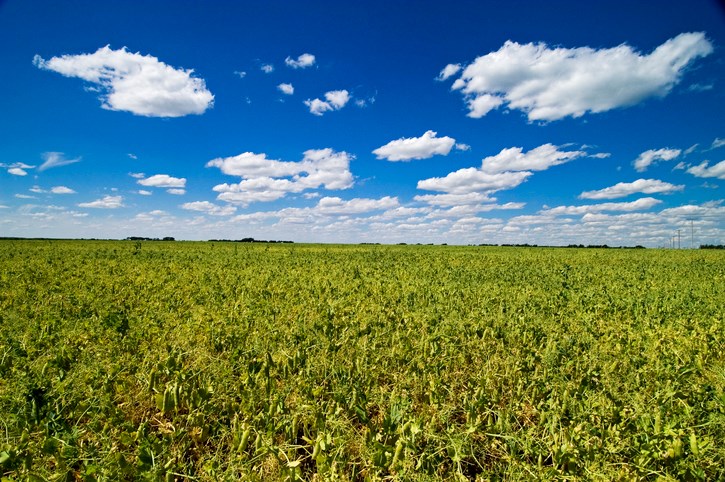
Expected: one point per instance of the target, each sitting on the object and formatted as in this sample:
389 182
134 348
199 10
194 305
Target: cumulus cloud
505 170
62 190
448 200
267 68
131 82
326 207
163 180
17 168
106 202
538 159
705 170
337 206
250 165
209 208
652 156
176 191
266 179
423 147
448 71
482 104
302 62
638 205
552 83
624 189
471 179
711 209
334 100
287 89
55 159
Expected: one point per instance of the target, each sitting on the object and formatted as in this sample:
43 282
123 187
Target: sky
459 122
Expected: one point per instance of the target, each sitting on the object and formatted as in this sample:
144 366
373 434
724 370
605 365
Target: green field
240 361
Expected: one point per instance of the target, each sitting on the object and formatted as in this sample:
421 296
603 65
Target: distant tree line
712 246
141 238
248 240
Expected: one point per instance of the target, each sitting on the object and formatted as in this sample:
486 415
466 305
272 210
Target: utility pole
679 240
692 232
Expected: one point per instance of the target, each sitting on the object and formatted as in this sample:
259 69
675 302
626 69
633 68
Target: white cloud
61 190
471 179
465 209
701 87
481 105
401 212
17 168
326 207
250 165
638 205
176 191
690 150
132 156
106 202
241 74
462 147
335 100
623 189
302 62
448 71
317 106
131 82
157 217
652 156
718 142
337 206
144 192
209 208
137 175
552 83
711 209
538 159
447 200
505 170
287 89
267 68
423 147
267 179
705 170
163 180
55 159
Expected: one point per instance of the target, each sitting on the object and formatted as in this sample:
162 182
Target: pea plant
224 361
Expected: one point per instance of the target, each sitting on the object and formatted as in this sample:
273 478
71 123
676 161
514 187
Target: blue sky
462 122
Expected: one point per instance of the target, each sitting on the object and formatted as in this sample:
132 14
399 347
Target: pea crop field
124 360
